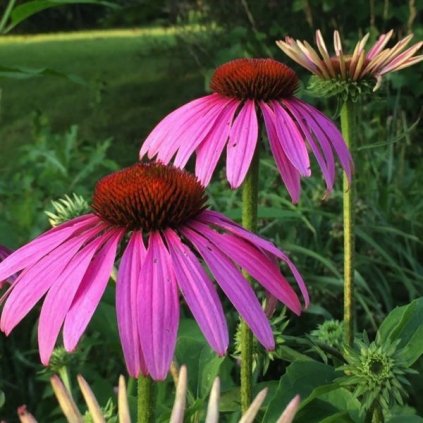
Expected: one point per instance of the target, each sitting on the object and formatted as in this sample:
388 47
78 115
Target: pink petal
60 296
158 308
30 253
306 123
400 59
291 140
332 133
36 280
242 144
129 278
235 287
379 45
161 135
191 138
288 172
210 150
218 219
255 262
5 252
90 292
199 293
190 130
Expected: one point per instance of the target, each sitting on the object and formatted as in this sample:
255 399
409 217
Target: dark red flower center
148 197
257 79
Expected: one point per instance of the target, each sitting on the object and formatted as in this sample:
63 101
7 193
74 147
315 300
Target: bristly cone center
148 197
255 79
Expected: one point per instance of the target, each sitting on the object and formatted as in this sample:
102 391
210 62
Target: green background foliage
75 106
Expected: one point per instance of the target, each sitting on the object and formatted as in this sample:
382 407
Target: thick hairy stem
347 125
145 400
249 221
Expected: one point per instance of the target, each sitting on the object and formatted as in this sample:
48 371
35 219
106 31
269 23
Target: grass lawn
134 78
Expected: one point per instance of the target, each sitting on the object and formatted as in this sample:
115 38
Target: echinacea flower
161 211
361 64
5 252
246 90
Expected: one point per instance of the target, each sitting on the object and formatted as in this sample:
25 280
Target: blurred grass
134 78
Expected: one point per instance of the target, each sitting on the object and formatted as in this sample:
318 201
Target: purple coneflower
375 63
161 212
5 252
244 89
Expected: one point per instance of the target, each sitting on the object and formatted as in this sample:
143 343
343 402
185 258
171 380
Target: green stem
146 400
249 221
64 375
347 125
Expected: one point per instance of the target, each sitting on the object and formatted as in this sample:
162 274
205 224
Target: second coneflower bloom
245 91
356 66
159 217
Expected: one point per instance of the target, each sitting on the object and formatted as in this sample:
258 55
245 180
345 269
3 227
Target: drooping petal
33 251
35 281
90 292
242 144
255 262
210 150
160 135
127 285
288 172
218 219
308 126
291 140
198 132
199 293
158 308
235 287
332 133
60 296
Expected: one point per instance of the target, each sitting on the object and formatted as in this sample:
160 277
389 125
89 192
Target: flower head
243 90
67 208
161 212
377 373
330 332
361 65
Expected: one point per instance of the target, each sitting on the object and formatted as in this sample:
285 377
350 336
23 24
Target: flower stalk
347 127
249 221
145 400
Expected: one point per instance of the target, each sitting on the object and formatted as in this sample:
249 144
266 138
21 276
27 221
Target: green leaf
202 362
405 323
20 72
24 11
301 377
209 366
405 419
319 411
